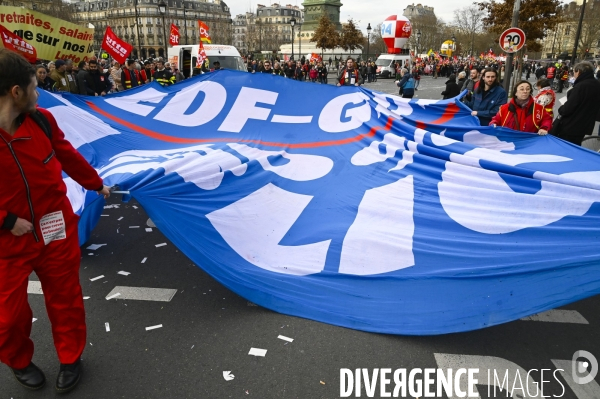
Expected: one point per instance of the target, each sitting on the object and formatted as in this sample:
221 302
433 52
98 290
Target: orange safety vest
127 83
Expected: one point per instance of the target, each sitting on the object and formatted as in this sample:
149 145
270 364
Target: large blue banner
348 206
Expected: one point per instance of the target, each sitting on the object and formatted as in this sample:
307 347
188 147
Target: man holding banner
39 231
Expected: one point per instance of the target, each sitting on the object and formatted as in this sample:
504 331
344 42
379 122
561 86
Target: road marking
113 296
144 294
34 287
558 316
153 327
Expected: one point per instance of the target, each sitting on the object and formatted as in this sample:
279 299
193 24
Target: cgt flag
201 56
117 48
174 36
13 42
204 35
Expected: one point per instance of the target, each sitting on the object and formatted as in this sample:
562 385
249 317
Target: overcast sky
362 11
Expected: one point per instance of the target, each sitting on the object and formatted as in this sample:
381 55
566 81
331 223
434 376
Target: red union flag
117 48
201 56
204 36
314 57
13 42
174 36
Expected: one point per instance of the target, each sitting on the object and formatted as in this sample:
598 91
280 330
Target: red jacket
32 183
530 118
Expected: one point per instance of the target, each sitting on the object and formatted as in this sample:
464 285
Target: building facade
418 10
559 42
240 31
140 23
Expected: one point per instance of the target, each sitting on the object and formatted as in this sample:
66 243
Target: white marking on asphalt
144 294
134 207
94 247
34 319
113 296
97 278
161 244
228 376
257 352
582 391
150 223
34 287
286 338
144 260
134 227
104 215
149 229
107 327
558 316
86 297
91 254
124 273
153 327
121 218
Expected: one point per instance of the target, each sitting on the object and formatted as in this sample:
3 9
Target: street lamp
300 39
185 24
292 23
368 38
162 8
418 41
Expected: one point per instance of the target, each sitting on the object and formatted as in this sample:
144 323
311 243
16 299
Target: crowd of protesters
100 77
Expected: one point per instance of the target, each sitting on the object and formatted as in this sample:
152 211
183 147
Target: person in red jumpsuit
523 113
38 229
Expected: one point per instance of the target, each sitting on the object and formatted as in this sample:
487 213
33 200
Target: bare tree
469 22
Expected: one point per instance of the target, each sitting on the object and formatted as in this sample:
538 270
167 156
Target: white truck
385 69
185 57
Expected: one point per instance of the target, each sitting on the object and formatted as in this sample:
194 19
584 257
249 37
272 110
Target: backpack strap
42 122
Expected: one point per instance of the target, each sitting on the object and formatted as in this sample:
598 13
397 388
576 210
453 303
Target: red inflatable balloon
395 31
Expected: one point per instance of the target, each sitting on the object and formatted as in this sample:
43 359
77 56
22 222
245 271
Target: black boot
31 377
68 376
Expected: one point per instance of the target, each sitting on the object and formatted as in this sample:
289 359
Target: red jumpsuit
32 188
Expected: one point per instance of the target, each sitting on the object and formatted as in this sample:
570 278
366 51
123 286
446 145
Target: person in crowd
70 71
350 75
290 71
277 69
322 72
299 72
51 67
313 74
563 76
97 81
487 98
34 195
147 72
82 76
522 113
115 72
551 72
163 76
43 80
266 67
451 88
546 96
62 81
216 66
179 76
406 84
576 118
130 76
462 77
417 76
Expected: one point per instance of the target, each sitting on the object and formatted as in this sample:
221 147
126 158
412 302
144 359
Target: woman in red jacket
522 113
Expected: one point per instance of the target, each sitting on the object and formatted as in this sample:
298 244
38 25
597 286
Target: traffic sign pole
509 59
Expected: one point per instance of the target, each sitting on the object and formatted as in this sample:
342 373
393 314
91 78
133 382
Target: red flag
18 45
117 48
201 56
174 36
204 35
315 57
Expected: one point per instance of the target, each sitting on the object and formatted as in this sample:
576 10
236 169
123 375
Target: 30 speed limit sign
512 39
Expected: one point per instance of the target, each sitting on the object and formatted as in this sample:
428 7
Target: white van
185 57
384 64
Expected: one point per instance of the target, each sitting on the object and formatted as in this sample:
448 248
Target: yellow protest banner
52 38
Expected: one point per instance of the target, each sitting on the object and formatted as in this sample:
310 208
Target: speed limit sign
512 39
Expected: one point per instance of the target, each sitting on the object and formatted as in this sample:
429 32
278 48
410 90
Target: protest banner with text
51 37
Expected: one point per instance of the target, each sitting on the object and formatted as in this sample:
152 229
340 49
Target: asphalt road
207 329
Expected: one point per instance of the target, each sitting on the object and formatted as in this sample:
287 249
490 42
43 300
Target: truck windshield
228 62
381 62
